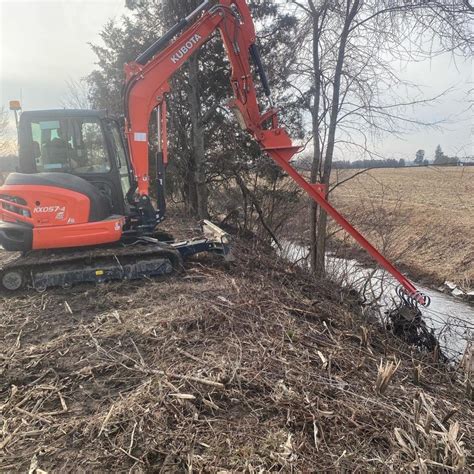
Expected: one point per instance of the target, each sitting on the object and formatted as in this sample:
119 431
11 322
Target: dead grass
420 218
251 368
433 208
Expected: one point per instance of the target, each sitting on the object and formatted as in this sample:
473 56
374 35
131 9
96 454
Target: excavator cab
73 182
83 143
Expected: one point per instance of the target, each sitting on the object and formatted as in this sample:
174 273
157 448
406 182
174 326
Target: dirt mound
244 368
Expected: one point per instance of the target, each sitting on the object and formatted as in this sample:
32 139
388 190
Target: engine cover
54 210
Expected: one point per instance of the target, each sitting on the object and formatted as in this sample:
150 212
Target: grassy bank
422 218
247 367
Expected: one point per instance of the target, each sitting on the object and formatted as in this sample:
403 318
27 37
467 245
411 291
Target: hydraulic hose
160 43
257 60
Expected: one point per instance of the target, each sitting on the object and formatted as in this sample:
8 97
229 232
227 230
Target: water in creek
451 319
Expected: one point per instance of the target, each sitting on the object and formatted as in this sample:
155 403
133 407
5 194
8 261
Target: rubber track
39 260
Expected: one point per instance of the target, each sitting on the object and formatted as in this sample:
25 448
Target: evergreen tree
442 159
206 146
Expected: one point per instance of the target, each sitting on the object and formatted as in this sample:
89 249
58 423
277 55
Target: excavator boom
148 84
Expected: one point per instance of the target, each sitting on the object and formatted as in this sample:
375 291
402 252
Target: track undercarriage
142 258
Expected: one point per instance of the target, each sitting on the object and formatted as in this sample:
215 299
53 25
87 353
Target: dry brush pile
251 367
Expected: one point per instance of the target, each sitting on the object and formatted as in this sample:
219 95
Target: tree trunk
321 232
190 197
255 202
198 149
316 163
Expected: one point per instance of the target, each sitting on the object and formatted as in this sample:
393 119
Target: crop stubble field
421 217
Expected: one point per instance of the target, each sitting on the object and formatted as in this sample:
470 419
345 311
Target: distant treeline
362 164
392 163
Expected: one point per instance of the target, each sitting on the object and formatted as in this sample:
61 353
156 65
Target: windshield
74 145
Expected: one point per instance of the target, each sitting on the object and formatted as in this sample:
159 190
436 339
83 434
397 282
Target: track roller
12 280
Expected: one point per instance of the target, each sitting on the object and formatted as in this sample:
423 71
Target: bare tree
345 75
6 144
77 95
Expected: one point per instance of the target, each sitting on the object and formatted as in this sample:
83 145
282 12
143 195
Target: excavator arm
147 84
148 80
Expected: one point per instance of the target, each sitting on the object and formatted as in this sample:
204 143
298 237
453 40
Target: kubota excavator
80 208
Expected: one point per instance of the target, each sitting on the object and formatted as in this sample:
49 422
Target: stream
451 319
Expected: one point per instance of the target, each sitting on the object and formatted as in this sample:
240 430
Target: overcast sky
44 43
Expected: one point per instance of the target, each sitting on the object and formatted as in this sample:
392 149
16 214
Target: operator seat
99 204
55 152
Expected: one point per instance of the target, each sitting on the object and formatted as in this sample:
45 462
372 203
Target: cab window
73 145
122 163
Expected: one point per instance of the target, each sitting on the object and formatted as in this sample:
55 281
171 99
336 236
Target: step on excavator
80 209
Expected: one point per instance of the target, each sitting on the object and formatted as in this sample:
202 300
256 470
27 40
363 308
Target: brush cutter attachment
413 300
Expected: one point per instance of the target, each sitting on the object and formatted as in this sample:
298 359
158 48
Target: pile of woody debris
250 366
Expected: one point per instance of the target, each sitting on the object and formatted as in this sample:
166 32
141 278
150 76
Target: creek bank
451 319
455 290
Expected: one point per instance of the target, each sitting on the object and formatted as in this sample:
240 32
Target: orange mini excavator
80 209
